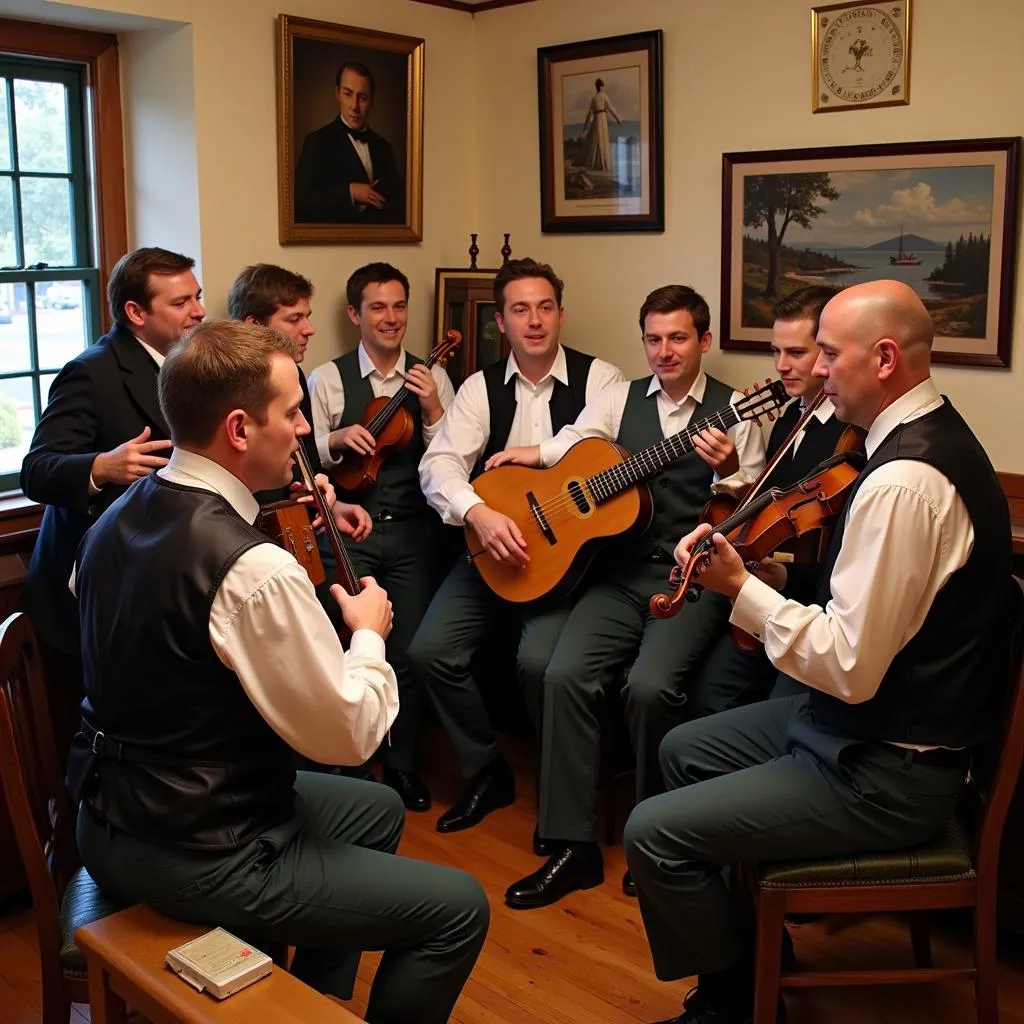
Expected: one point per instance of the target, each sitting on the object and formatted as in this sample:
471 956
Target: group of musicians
211 666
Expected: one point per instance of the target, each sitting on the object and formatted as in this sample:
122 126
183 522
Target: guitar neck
646 463
383 418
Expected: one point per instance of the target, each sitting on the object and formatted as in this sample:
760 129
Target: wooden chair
63 894
959 868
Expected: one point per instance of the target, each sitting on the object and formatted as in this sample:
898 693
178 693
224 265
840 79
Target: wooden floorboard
585 960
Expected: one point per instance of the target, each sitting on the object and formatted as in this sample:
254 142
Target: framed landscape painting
601 136
940 216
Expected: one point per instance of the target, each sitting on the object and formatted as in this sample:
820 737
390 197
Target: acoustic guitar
594 492
389 422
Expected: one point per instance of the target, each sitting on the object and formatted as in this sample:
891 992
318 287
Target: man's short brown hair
260 290
672 297
218 366
804 304
129 280
517 270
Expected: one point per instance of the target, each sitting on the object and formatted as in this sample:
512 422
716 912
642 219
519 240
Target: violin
718 510
767 521
288 523
391 425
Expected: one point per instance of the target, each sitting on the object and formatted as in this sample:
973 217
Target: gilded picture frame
356 180
860 55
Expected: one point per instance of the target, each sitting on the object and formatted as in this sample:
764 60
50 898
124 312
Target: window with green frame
50 308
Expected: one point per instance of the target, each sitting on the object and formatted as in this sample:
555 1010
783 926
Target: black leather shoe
409 786
699 1010
490 789
577 866
628 885
543 847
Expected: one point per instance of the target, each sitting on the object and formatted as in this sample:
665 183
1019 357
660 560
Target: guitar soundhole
579 497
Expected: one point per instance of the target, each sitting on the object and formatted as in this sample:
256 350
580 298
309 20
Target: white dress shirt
327 396
268 627
448 462
603 418
907 532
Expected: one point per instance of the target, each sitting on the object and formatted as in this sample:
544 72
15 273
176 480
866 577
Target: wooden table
126 967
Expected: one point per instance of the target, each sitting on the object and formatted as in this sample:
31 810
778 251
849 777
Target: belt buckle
98 739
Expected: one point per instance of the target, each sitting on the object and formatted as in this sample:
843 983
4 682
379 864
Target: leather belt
937 757
106 748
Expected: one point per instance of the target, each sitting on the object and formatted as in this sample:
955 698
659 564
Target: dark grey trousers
761 783
612 627
459 623
328 883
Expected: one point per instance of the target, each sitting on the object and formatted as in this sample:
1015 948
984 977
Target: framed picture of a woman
601 140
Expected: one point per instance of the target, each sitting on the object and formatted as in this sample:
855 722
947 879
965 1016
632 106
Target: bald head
877 310
874 343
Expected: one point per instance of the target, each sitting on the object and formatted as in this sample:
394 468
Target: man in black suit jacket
101 430
347 172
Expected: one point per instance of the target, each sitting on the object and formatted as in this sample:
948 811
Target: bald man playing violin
900 653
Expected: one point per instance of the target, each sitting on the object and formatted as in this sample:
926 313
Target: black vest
817 444
940 688
682 489
397 490
205 770
567 400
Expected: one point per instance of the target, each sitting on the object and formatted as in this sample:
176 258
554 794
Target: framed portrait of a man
350 134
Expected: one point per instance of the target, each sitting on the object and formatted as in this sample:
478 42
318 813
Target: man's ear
135 313
888 357
235 426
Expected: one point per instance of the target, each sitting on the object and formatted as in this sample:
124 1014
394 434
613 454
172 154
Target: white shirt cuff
463 502
754 605
550 452
323 447
368 643
94 488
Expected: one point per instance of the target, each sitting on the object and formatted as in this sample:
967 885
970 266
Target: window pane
5 129
8 254
17 422
61 330
40 115
45 383
14 350
46 221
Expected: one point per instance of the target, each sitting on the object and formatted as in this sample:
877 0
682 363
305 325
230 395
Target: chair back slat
997 790
33 783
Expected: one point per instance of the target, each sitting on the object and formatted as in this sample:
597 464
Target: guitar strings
554 509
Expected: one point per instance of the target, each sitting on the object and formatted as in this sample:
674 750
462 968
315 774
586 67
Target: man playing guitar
611 625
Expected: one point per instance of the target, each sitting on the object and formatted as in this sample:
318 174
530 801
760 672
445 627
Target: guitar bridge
538 515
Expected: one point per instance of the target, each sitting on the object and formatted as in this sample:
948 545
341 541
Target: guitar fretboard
645 463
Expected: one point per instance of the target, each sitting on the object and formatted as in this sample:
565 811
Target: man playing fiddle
730 675
897 652
191 803
399 552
